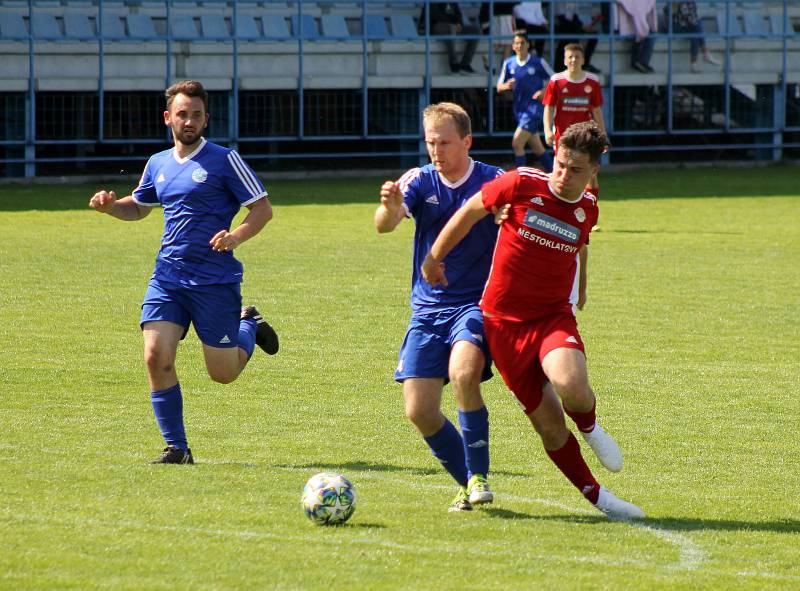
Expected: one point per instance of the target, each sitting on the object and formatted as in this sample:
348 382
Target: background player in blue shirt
201 187
526 75
445 340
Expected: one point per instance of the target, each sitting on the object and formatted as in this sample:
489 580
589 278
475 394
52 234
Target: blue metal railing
301 38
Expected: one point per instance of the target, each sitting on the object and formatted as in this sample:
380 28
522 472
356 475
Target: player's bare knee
465 381
157 363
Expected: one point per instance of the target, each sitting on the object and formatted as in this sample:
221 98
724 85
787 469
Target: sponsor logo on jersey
432 199
580 215
550 225
199 175
537 201
161 178
564 90
576 100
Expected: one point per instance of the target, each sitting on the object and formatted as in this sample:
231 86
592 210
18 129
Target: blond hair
440 111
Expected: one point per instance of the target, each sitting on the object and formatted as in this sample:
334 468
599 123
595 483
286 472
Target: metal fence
667 115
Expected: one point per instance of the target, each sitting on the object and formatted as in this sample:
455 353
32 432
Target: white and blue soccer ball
328 499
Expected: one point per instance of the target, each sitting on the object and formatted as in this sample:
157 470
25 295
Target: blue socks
247 336
519 161
448 447
168 408
475 433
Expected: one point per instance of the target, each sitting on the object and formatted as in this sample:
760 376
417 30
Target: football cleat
461 502
604 447
174 455
479 491
615 508
266 337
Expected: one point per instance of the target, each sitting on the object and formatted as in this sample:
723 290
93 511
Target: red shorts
518 349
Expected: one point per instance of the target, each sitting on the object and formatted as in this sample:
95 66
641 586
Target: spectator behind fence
638 18
446 19
686 20
568 22
529 17
502 27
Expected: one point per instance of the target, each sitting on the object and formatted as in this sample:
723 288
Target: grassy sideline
692 338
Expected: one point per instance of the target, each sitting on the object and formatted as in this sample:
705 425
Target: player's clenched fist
433 271
103 201
391 197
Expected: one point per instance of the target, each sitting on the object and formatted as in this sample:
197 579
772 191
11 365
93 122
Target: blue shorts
426 347
531 123
215 310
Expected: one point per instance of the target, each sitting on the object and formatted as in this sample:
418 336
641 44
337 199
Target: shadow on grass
788 526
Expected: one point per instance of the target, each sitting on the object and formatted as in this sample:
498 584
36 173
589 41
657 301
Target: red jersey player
530 325
571 96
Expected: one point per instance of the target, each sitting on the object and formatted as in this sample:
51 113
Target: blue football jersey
431 201
529 77
200 194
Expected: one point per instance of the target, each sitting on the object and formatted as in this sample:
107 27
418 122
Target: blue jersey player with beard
526 75
201 187
445 340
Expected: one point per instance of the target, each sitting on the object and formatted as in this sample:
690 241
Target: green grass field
692 334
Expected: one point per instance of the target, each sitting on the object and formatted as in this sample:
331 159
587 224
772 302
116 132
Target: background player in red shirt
529 322
571 96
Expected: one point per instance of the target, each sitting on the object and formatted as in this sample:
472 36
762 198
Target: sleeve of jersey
409 187
242 181
503 73
548 71
549 95
145 192
597 95
499 191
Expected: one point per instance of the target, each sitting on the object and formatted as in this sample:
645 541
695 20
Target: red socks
570 461
583 420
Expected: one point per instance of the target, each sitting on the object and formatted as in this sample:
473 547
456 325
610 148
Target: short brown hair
437 112
573 47
585 137
190 88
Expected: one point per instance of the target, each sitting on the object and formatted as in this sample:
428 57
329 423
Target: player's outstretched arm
453 233
390 212
260 213
125 209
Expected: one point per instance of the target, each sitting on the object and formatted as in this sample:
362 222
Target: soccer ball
328 499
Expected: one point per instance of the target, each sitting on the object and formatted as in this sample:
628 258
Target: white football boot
604 447
617 509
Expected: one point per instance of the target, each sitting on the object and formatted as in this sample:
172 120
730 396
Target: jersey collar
460 181
560 198
190 156
519 63
576 81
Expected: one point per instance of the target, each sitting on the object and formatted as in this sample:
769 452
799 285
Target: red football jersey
534 263
572 101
